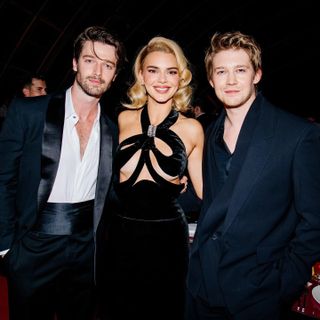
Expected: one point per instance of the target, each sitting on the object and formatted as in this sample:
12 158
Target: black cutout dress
147 243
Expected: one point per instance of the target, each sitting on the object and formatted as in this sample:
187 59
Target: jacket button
214 236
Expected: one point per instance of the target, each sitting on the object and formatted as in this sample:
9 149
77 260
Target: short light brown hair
233 40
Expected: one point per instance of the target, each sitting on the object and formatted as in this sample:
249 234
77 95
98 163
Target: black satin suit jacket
30 146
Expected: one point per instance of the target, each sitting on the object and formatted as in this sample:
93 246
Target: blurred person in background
34 85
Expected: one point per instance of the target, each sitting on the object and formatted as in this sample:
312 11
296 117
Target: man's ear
257 76
26 92
74 65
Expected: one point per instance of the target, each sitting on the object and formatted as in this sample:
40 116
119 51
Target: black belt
65 218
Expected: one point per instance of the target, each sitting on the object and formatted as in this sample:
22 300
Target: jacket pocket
266 254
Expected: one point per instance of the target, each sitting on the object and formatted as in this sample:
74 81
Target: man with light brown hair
258 233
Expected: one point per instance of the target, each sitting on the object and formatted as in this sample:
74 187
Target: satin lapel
105 168
51 147
255 159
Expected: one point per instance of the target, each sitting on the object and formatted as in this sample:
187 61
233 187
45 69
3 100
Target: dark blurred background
37 36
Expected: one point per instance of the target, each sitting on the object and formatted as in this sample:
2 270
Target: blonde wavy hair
137 92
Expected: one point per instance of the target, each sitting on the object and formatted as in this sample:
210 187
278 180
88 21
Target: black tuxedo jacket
270 236
30 146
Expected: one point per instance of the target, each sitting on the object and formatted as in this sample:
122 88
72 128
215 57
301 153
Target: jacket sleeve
11 146
304 249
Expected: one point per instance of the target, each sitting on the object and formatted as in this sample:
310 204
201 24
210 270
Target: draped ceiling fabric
37 36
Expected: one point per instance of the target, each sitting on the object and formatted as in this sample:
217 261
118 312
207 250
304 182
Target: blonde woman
148 233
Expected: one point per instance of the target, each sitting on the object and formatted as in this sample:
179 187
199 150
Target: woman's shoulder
190 123
128 115
189 129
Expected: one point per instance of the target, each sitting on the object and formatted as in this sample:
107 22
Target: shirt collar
70 112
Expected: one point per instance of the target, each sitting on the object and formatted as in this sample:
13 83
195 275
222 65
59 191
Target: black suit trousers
51 274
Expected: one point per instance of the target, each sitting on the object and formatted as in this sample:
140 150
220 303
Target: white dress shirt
76 178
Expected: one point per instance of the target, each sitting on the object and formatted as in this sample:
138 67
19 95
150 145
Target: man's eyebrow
94 56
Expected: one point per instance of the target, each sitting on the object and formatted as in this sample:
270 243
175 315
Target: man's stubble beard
90 90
